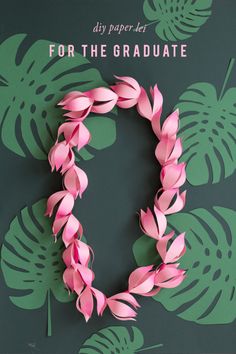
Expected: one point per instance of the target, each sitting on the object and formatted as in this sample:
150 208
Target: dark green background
123 178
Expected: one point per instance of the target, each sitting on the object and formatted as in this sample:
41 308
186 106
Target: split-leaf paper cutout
177 19
31 261
116 339
31 85
208 129
207 295
103 135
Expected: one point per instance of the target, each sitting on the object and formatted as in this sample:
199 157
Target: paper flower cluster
78 276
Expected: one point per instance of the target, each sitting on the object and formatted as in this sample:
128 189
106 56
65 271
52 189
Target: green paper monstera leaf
103 133
177 19
207 295
208 130
115 339
31 261
31 84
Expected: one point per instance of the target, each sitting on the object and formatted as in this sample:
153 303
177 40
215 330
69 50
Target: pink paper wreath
78 275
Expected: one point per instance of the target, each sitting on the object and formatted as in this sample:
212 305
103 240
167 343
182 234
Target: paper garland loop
78 276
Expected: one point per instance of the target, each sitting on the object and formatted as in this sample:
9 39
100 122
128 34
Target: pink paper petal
170 201
85 303
141 280
168 276
171 125
58 224
130 81
75 181
148 224
162 245
69 96
173 176
53 200
161 221
86 273
101 301
78 104
168 151
72 227
144 106
176 250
